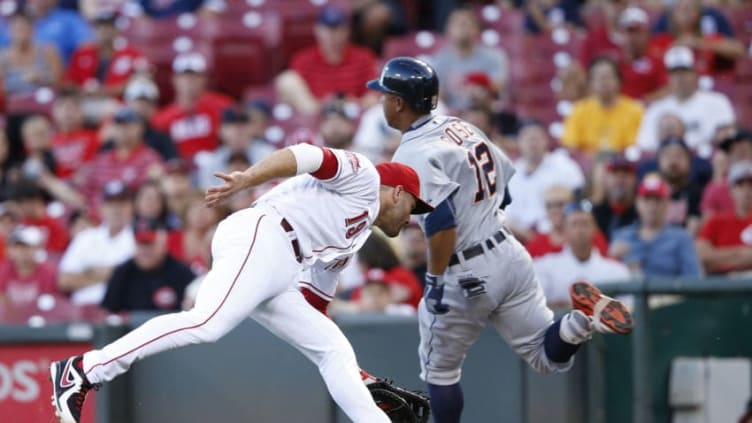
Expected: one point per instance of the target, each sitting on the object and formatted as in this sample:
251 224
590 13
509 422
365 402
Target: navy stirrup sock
556 349
446 403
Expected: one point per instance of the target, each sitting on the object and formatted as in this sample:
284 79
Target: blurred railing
642 289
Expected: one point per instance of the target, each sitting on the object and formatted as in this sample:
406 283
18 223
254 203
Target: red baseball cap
653 186
393 174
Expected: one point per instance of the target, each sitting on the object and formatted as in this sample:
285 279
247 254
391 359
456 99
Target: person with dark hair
30 204
150 203
105 64
73 145
674 165
606 121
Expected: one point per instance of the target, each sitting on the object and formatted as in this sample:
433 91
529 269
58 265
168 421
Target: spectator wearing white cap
702 112
725 240
142 95
25 274
643 74
192 120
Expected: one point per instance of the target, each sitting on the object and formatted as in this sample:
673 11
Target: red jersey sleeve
708 229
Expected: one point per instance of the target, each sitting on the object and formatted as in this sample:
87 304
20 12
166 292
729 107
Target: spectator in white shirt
537 171
702 112
93 254
579 260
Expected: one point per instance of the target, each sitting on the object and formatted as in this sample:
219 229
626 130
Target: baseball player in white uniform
315 221
478 273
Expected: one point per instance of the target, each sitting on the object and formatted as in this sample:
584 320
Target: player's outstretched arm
279 164
283 163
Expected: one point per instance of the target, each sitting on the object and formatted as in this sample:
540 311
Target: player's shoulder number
478 157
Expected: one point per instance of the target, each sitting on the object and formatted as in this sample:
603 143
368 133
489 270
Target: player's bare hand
233 182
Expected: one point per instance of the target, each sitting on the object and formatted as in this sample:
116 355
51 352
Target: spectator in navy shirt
650 246
152 279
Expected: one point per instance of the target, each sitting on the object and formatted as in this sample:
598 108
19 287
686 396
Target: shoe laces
85 388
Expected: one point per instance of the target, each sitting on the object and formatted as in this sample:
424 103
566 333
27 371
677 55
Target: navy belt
477 249
295 244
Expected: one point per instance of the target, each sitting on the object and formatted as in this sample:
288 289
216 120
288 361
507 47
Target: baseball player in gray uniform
478 273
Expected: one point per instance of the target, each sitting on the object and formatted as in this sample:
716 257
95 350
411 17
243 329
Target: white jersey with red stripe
331 210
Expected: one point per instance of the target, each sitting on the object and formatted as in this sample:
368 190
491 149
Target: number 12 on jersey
479 158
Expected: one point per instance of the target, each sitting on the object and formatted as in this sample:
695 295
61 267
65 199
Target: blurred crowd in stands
625 120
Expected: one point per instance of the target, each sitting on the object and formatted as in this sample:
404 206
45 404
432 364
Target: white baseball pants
254 273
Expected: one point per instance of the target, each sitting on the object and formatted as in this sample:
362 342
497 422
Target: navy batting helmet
412 79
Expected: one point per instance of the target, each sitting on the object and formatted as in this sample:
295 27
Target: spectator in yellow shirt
605 121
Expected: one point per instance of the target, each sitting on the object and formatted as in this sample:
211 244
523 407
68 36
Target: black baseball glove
401 405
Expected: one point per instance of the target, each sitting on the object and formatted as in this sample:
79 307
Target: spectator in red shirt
332 66
130 161
72 144
714 51
380 264
716 198
643 75
724 243
192 120
542 243
22 277
104 65
31 208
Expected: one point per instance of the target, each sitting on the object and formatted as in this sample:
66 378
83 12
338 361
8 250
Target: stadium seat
421 43
298 18
239 62
37 102
505 21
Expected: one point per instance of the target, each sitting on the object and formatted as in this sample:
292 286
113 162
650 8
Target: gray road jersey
454 158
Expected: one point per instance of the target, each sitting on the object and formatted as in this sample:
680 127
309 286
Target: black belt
295 244
477 249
